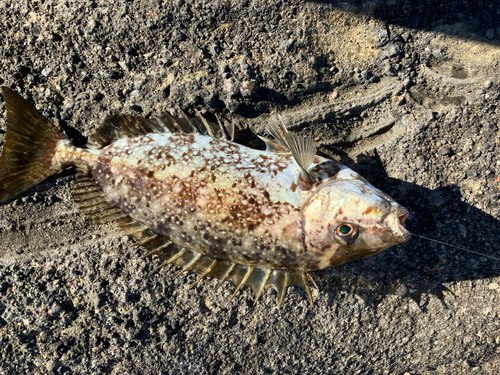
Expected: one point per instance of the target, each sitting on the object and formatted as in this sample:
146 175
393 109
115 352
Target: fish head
347 218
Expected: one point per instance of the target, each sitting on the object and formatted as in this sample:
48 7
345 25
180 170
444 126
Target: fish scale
235 211
190 195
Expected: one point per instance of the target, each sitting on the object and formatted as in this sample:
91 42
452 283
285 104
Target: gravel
405 92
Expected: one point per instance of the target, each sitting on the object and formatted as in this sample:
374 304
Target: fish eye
345 234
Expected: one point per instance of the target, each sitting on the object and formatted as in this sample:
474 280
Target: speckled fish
195 198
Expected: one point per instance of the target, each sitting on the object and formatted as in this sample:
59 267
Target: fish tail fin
28 149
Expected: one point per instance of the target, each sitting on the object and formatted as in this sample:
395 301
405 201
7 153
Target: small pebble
445 151
46 71
402 290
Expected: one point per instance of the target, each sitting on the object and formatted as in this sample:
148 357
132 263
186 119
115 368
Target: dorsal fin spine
125 126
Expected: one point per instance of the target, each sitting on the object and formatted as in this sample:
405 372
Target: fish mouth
401 234
402 214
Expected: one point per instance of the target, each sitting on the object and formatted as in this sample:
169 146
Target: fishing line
458 247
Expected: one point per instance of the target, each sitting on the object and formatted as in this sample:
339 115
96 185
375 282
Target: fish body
208 204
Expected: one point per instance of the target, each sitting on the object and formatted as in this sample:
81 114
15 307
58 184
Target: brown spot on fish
367 211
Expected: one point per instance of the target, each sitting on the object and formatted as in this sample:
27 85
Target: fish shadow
420 267
465 18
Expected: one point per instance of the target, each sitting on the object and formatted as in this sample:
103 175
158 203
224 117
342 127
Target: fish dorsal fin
302 149
126 126
227 131
123 126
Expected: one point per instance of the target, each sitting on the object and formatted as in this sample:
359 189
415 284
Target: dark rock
112 74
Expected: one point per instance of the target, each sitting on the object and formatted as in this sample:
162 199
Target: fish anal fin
257 280
255 277
154 242
190 263
239 278
300 278
91 201
95 205
278 280
203 268
224 272
282 279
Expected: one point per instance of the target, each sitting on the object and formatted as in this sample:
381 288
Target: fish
191 195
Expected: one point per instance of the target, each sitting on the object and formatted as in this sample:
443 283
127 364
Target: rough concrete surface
405 92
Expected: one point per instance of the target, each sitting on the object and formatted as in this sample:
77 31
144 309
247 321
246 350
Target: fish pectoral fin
278 131
272 146
302 149
303 152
